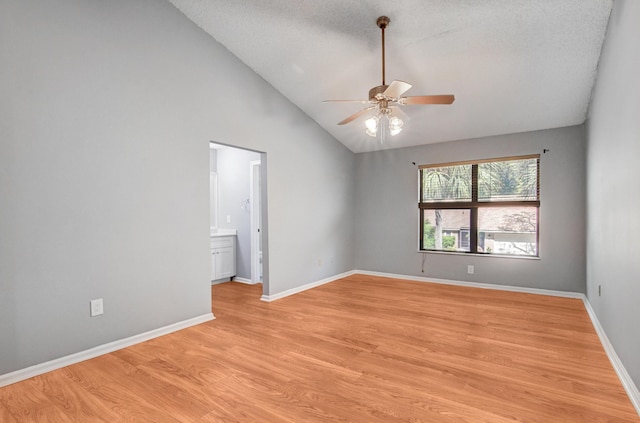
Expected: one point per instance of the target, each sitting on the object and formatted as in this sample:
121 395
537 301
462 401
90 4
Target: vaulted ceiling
513 65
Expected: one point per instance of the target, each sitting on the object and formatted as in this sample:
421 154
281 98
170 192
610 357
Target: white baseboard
38 369
243 280
625 379
269 298
511 288
623 375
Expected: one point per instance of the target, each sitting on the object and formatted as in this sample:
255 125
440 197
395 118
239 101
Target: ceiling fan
386 99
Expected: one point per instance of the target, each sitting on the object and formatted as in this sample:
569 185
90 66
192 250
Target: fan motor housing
375 93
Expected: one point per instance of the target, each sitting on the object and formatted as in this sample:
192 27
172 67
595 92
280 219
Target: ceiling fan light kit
385 112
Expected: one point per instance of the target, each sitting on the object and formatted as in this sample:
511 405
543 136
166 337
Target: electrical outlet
97 307
228 218
470 269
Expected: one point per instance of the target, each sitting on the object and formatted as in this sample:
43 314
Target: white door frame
256 225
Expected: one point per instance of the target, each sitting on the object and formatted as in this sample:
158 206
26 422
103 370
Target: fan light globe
395 125
372 126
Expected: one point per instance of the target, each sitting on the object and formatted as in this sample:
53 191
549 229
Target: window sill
456 253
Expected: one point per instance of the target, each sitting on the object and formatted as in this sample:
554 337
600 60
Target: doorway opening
238 209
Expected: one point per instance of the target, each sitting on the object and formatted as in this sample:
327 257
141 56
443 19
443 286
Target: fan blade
396 89
428 99
356 115
346 101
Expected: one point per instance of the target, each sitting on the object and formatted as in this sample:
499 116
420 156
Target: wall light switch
97 307
228 218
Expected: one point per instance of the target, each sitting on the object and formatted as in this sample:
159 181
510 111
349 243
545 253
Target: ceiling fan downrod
382 23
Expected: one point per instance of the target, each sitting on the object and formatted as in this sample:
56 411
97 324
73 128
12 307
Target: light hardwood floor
362 349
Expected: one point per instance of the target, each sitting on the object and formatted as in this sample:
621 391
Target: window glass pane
508 180
448 183
508 230
446 230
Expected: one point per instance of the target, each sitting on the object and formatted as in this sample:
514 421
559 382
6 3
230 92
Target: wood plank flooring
362 349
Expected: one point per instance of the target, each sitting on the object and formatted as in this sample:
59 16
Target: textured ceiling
513 65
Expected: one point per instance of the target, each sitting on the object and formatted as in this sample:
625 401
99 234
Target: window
485 206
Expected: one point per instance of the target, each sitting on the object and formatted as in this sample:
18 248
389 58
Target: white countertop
224 232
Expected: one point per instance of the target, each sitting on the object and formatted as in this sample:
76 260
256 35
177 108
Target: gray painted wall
234 184
387 211
107 113
613 227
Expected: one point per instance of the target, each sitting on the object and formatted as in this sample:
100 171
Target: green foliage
506 179
429 235
429 238
446 183
448 242
515 179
